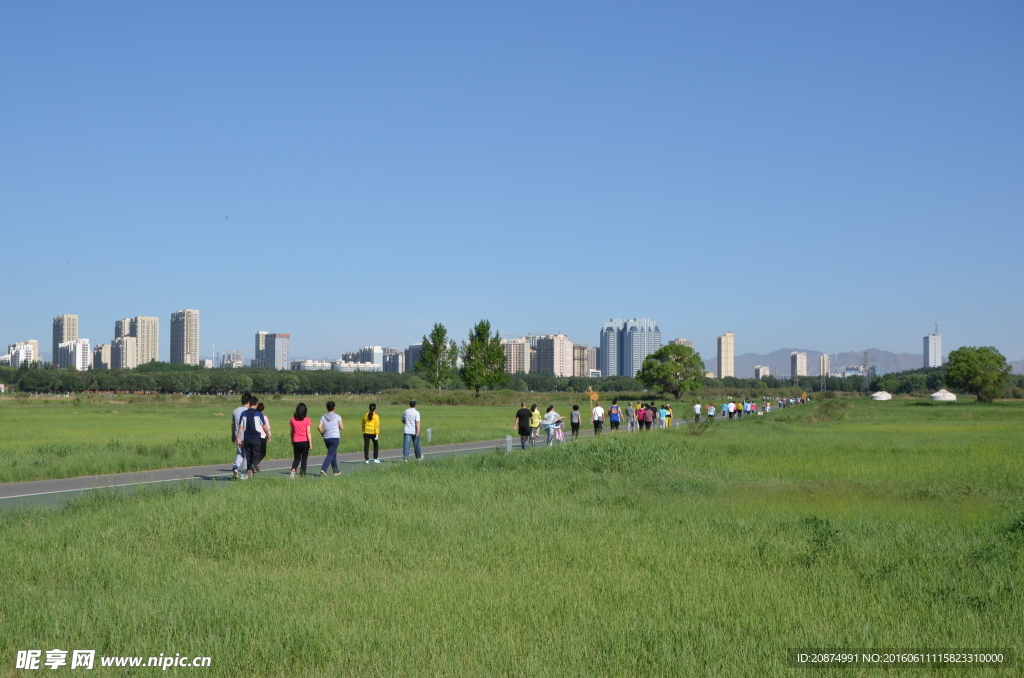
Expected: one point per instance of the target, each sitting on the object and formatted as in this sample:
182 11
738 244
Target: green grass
66 438
854 525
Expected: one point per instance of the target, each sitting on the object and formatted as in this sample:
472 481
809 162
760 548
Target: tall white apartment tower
933 349
146 331
726 355
65 328
185 337
74 354
797 364
824 365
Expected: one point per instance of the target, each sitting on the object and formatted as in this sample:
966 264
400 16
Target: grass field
65 438
839 525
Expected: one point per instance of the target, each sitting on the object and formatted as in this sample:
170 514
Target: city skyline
103 352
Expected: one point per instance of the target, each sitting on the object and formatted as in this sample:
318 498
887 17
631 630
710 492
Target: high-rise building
762 371
797 364
65 328
642 339
32 343
933 349
371 354
554 355
101 357
74 354
124 353
146 330
273 351
412 356
726 355
823 365
185 337
22 353
683 342
580 360
394 360
612 333
625 344
517 355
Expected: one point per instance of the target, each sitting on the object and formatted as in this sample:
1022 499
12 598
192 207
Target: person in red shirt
301 438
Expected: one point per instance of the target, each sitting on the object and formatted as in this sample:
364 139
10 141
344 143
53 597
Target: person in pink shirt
301 438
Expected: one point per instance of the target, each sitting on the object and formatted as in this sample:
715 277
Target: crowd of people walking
251 431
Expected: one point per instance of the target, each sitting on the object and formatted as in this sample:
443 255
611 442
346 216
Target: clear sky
817 175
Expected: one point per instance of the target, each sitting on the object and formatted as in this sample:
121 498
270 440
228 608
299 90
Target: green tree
437 357
979 371
673 369
483 358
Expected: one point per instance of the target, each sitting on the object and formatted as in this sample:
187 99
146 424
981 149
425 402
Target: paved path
40 488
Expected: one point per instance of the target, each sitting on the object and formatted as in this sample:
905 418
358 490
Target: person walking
614 416
264 437
534 423
598 417
650 413
250 424
711 413
663 416
551 421
696 413
239 457
302 438
371 434
575 418
668 415
630 417
411 432
523 417
331 426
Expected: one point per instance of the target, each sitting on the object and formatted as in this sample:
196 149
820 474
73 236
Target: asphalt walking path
62 489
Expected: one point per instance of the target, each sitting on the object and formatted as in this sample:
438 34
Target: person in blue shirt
615 415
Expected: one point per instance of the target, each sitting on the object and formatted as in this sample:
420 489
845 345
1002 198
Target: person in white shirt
411 419
696 413
551 421
239 464
598 417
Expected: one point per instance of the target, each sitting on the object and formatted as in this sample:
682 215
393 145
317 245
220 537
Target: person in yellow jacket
534 423
371 433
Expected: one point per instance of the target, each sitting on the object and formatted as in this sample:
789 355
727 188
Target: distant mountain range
779 361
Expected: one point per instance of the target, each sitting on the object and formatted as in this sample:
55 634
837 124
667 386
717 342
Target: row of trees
982 372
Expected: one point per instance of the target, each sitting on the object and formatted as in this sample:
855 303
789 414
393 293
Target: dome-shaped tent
881 395
944 396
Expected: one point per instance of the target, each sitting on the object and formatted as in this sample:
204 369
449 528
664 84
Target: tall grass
650 554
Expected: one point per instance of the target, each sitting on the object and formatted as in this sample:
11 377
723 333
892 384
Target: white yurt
944 396
881 395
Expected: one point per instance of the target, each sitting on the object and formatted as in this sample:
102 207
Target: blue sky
832 177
